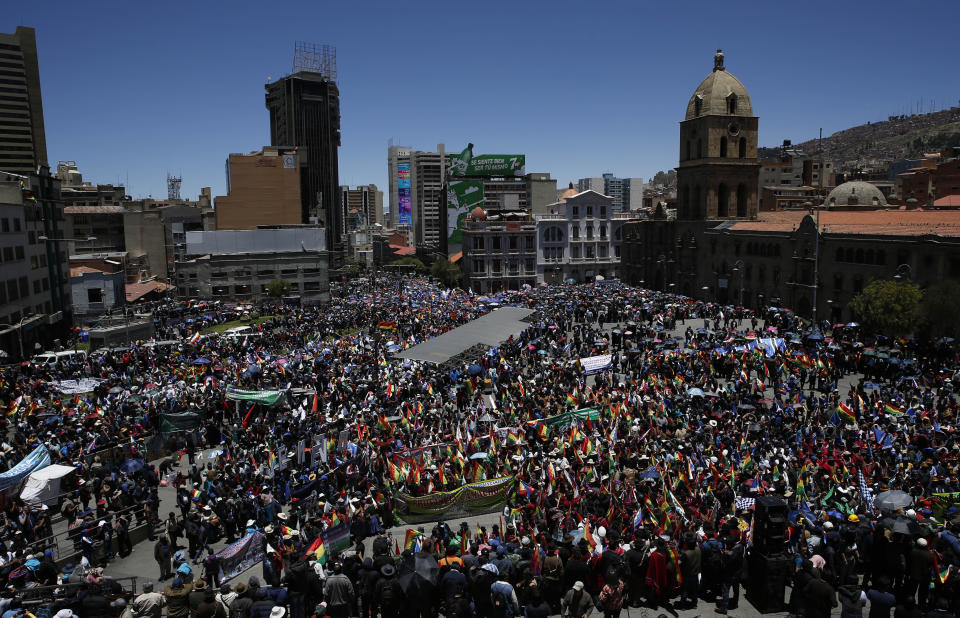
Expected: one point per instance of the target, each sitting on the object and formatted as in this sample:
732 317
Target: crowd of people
621 443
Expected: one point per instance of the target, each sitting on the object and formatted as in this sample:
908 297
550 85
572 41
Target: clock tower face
733 128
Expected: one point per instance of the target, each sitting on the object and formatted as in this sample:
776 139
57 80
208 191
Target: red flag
247 417
396 546
314 403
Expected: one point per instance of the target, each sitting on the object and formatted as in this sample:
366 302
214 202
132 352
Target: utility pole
816 247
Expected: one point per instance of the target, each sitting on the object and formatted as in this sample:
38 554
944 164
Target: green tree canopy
417 263
890 307
448 274
278 288
939 307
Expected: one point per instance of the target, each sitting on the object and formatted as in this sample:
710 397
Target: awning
43 486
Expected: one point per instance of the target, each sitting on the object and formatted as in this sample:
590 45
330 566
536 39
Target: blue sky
133 90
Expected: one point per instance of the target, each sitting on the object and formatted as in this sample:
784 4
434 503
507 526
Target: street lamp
18 328
904 271
738 267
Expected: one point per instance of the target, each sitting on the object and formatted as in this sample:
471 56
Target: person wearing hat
387 592
576 603
196 596
240 606
920 564
339 593
148 604
177 595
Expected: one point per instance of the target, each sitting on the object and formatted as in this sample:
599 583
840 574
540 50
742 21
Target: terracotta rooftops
865 222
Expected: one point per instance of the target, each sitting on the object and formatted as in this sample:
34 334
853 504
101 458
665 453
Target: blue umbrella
202 361
131 466
871 386
695 392
815 337
852 325
474 370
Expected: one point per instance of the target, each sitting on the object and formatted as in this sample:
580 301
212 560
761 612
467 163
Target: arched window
732 104
723 146
741 200
723 201
699 148
743 148
698 105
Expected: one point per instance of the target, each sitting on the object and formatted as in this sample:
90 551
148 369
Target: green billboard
468 164
462 196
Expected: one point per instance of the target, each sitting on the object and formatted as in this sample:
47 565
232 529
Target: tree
938 309
417 264
890 307
352 268
448 274
278 288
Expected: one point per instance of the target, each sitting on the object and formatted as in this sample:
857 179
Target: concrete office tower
305 113
23 142
627 193
398 187
362 206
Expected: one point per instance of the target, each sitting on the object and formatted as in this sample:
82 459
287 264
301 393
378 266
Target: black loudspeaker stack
769 567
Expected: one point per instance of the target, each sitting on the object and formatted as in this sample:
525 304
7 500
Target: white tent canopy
43 486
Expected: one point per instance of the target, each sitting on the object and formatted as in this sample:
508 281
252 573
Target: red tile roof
402 250
867 222
136 291
76 271
948 201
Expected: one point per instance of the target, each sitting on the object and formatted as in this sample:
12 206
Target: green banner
472 499
266 398
468 164
177 422
565 418
462 196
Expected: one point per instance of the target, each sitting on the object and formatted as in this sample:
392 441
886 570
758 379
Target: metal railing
38 595
68 542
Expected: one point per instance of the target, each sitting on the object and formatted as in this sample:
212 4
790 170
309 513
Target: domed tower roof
478 214
720 94
570 192
856 193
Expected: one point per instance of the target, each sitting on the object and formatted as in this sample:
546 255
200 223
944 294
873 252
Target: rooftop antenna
173 187
315 58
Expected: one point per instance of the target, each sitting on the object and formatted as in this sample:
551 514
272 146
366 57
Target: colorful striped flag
846 413
889 408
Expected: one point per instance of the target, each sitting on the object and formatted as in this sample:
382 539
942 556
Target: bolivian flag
846 413
889 408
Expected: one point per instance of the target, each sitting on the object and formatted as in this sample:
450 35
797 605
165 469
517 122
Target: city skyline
179 91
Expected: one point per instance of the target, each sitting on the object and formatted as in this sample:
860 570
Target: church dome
720 94
478 214
856 193
570 192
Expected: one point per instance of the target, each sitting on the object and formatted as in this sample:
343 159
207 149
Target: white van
50 359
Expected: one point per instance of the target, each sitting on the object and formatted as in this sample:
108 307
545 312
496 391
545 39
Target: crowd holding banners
650 461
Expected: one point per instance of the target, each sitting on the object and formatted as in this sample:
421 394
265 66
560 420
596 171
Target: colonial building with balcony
499 250
580 239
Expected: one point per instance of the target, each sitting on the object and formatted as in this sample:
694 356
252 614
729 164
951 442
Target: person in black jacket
387 592
368 577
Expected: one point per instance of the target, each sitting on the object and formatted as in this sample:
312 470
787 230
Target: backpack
387 592
502 607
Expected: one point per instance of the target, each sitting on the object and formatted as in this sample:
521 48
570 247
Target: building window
743 148
528 242
478 266
8 254
576 212
19 250
513 243
576 231
603 212
24 287
589 211
732 104
723 146
531 266
16 224
589 231
478 242
5 224
698 106
575 252
616 251
589 252
94 295
603 231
